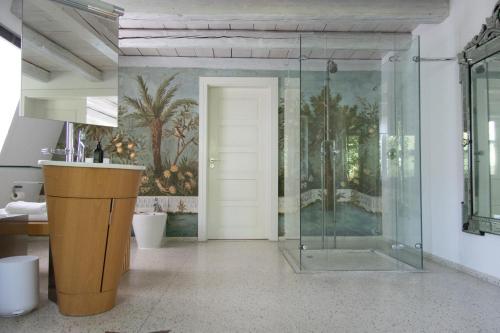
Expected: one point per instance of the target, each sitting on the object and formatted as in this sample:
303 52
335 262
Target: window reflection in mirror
485 102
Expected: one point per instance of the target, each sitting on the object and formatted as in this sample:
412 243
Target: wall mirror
480 79
70 61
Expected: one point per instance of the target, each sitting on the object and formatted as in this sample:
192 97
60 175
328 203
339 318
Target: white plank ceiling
143 28
249 29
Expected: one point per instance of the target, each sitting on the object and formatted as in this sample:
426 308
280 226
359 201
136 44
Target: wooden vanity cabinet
90 214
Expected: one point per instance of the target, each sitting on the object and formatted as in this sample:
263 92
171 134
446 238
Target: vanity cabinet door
118 239
78 232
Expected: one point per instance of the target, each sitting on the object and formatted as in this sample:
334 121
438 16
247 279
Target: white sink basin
149 229
91 165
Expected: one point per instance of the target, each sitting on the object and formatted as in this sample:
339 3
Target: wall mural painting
158 130
355 128
167 119
158 127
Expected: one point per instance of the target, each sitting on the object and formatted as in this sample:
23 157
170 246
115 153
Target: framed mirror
70 61
480 79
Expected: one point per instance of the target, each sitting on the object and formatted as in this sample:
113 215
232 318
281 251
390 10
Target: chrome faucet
157 207
69 151
80 151
53 151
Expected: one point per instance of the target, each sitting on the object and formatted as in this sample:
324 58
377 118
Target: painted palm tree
155 111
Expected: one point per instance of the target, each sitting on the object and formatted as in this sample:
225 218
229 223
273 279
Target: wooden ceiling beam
36 72
244 39
291 65
89 28
44 46
286 11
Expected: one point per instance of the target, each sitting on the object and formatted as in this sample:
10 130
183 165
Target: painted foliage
158 125
167 119
355 130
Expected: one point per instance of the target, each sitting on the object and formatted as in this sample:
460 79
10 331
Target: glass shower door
352 163
316 202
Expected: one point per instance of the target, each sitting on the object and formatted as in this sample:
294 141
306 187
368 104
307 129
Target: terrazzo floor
247 286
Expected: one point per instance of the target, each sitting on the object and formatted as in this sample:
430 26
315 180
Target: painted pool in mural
351 221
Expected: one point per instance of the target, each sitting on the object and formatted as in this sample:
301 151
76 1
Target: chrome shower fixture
331 66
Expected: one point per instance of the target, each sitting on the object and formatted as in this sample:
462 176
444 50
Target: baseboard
38 228
464 269
182 239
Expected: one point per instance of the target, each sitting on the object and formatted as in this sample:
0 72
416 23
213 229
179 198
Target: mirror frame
482 46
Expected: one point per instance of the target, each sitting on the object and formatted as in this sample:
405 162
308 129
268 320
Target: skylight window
10 85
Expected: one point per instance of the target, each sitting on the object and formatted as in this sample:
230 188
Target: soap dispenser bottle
98 153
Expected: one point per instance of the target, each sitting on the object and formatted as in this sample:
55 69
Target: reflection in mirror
480 79
485 100
70 62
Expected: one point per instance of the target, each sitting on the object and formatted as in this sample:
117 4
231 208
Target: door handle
211 162
392 154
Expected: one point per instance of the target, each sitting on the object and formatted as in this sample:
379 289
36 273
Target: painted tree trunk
156 134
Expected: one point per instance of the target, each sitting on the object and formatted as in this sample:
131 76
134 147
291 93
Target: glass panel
289 174
389 151
407 116
485 78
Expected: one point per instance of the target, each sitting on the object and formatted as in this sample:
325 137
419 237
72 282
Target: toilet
149 229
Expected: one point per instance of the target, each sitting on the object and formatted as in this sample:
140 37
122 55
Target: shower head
331 66
480 69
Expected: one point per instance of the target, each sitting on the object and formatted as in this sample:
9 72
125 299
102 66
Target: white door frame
271 153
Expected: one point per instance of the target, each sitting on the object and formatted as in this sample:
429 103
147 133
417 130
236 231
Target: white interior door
236 152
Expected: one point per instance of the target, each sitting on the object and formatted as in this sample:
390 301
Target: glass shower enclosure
352 155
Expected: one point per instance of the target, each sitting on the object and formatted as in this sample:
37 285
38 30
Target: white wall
442 182
22 146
